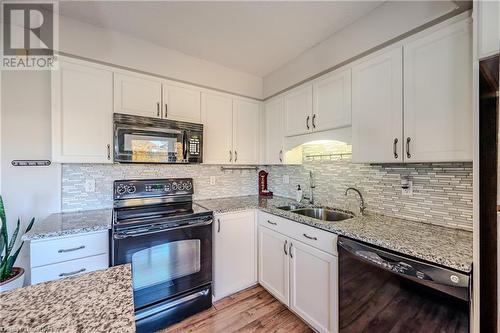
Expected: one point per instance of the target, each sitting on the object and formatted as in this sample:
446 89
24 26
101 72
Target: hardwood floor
251 310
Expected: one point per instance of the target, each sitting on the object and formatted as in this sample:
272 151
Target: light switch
286 179
212 180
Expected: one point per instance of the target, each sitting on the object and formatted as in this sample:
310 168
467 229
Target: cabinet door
377 114
235 253
298 110
246 118
273 123
488 32
332 101
313 287
438 95
217 117
181 103
137 95
274 263
82 113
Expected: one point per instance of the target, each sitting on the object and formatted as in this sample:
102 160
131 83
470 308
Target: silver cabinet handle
314 121
72 249
408 139
284 248
281 156
230 156
235 156
273 223
73 273
166 110
307 122
310 237
396 148
290 250
109 151
158 109
218 225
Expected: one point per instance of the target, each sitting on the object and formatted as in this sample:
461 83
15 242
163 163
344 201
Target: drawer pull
73 273
71 250
273 223
284 248
310 237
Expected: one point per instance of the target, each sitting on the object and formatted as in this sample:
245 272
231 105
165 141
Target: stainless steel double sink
319 213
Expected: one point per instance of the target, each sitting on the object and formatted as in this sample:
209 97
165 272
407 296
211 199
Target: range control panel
129 189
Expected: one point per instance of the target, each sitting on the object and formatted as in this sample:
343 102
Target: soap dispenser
299 194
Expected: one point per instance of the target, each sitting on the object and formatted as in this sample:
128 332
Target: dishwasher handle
441 278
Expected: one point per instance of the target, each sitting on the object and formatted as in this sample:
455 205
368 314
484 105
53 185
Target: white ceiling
252 37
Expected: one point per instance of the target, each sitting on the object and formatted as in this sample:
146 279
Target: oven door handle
155 230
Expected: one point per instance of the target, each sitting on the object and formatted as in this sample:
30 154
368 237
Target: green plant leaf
13 238
3 230
30 225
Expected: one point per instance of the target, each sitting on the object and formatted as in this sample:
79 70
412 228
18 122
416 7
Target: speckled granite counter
100 301
444 246
61 224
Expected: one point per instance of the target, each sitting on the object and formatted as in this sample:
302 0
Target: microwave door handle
185 144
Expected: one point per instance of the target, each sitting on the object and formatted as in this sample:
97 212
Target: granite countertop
436 244
62 224
100 301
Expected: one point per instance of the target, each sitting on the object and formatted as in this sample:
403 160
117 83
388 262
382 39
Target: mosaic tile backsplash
74 196
442 193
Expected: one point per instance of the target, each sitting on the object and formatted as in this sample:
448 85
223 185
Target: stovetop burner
138 202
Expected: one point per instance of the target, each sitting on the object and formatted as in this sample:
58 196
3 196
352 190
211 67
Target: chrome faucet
362 205
312 186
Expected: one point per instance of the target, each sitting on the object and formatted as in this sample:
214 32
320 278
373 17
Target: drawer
273 222
320 239
69 268
51 251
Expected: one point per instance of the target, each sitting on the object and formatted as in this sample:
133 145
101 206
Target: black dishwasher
384 292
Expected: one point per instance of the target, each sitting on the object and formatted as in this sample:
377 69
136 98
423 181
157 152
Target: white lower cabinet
313 286
60 257
235 253
303 276
274 263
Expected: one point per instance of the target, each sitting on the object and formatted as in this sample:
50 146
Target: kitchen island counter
100 301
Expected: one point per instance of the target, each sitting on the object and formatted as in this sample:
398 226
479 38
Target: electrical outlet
89 185
286 179
212 180
407 188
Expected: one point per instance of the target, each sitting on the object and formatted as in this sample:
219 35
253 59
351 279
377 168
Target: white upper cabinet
246 119
82 113
181 103
217 118
273 127
298 110
235 252
377 114
137 95
332 101
437 95
231 129
488 27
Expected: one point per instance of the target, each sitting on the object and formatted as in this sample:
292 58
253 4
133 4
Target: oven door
165 262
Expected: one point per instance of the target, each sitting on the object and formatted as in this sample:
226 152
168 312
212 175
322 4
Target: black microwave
151 140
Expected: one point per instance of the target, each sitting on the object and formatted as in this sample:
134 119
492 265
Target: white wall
115 47
382 24
25 134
